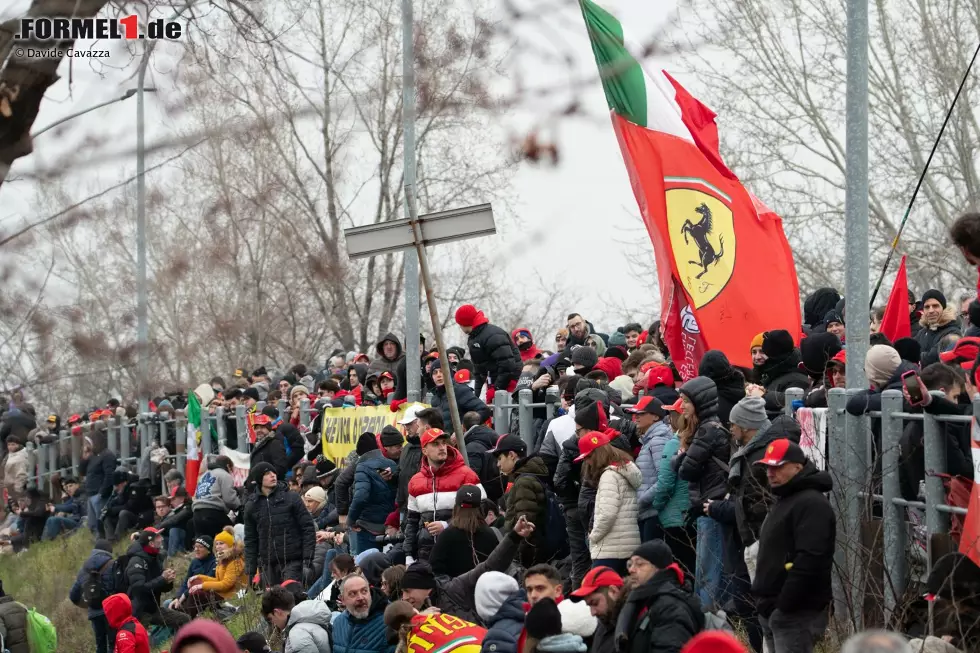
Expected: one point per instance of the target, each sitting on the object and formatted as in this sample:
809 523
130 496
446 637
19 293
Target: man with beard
361 626
605 593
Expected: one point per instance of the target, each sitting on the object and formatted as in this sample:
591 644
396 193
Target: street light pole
142 294
125 96
411 258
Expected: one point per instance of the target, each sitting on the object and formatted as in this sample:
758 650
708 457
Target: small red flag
895 324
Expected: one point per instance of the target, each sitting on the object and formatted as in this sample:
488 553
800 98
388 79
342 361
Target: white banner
813 441
241 465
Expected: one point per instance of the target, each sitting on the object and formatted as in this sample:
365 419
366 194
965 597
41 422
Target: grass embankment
42 576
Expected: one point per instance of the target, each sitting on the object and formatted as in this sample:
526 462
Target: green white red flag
725 269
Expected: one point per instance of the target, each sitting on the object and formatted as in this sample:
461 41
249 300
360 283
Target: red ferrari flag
895 323
725 269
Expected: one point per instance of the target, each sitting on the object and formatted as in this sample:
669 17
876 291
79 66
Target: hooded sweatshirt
381 364
211 632
131 636
307 630
500 605
530 350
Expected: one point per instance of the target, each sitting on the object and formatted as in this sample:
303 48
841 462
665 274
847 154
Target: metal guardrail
132 441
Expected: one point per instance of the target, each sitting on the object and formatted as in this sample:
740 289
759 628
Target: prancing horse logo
699 231
702 237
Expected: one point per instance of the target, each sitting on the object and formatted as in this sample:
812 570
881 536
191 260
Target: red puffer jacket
431 497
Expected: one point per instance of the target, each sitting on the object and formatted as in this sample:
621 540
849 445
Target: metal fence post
934 456
41 468
111 437
500 417
242 429
76 452
304 412
207 443
857 435
221 426
525 416
895 534
791 395
551 401
180 425
283 407
123 439
53 466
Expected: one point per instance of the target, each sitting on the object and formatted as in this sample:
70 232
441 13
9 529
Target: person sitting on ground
67 515
148 580
208 591
178 523
305 626
202 563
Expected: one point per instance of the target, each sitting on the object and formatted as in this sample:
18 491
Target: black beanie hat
253 642
714 365
656 552
909 349
260 470
588 404
103 545
367 442
585 356
419 576
777 344
543 619
816 350
934 294
391 437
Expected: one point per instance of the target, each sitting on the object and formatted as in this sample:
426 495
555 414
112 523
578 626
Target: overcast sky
581 213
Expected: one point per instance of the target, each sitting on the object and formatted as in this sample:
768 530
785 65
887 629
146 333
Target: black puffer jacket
409 465
98 469
660 616
479 440
466 401
749 499
271 450
144 573
778 374
729 381
796 546
278 530
495 356
704 464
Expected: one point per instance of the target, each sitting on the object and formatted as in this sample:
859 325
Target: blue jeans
708 576
363 541
55 526
325 577
175 541
94 511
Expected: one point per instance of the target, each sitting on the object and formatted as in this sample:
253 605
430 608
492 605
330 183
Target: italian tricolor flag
193 468
725 268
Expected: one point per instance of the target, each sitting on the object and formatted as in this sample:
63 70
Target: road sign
436 228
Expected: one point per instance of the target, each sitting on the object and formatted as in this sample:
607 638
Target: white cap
411 414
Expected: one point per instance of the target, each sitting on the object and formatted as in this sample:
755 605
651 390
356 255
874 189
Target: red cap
261 418
462 376
965 348
676 406
839 357
782 451
590 442
596 578
150 529
431 435
648 404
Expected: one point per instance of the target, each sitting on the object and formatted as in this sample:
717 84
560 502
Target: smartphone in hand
913 387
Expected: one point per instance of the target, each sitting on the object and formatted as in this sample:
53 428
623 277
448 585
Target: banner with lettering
340 427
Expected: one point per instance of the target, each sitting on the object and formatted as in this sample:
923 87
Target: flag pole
918 185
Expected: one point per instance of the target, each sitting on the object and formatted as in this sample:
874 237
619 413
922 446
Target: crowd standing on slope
650 515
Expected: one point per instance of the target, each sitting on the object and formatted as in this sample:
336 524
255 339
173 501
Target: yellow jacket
229 577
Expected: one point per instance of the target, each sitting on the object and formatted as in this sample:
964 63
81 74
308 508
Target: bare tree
778 87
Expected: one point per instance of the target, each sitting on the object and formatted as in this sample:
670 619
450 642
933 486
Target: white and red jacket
431 497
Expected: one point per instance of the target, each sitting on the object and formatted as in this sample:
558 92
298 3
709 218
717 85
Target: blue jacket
74 506
369 635
504 629
374 497
204 567
651 451
96 559
671 499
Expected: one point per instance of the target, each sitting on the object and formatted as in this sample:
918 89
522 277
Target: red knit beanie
713 641
465 315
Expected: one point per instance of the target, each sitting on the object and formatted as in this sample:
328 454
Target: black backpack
120 581
94 590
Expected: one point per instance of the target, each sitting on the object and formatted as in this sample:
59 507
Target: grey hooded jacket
308 629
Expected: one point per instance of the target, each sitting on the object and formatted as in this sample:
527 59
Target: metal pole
856 194
142 300
125 96
411 261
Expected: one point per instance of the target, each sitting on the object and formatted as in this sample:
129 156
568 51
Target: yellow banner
340 427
